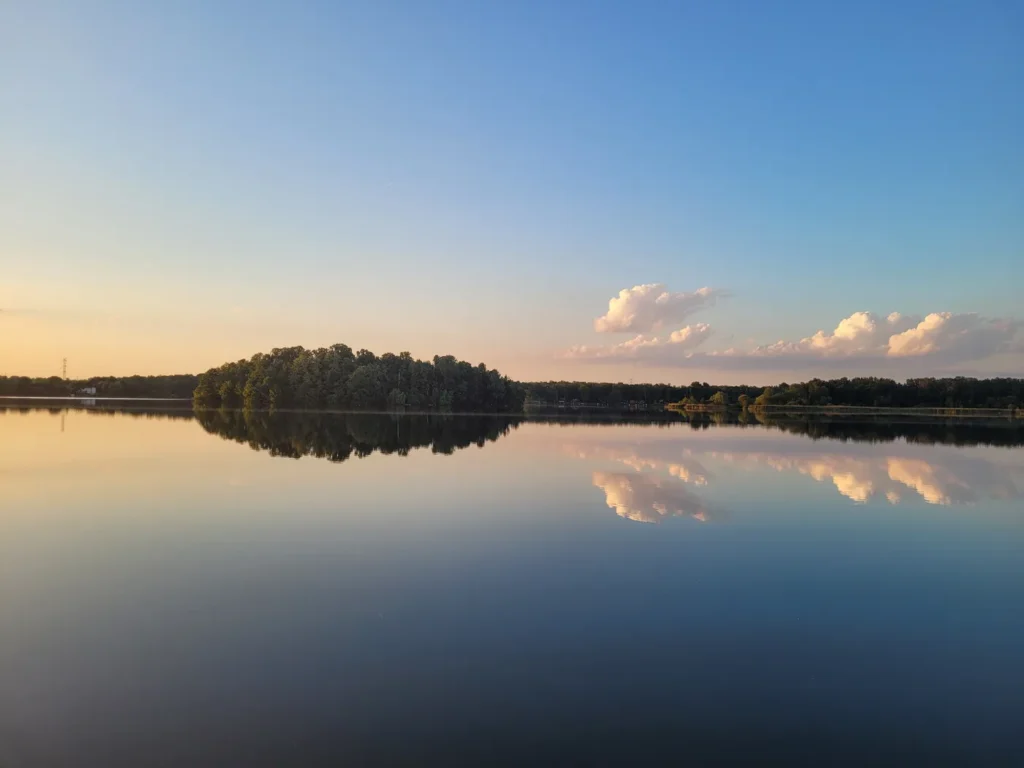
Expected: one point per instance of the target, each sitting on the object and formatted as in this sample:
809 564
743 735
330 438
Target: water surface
299 589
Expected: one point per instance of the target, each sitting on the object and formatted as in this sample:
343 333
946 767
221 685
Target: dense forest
874 392
106 386
338 378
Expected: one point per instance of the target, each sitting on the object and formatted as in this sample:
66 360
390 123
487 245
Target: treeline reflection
959 432
288 433
339 436
179 413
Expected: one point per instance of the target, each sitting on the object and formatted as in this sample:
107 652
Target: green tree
366 387
396 399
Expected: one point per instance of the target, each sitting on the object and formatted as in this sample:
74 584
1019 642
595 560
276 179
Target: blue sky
190 182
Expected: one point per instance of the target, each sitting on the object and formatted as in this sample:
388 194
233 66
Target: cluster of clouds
651 348
966 336
654 315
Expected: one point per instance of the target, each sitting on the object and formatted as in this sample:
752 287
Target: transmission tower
65 368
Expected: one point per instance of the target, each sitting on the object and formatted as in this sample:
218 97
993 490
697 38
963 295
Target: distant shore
656 414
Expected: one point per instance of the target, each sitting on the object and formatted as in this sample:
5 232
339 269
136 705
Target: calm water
188 592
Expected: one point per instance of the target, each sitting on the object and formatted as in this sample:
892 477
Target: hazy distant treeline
106 386
337 378
959 392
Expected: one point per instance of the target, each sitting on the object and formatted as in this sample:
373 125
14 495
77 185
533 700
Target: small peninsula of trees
335 377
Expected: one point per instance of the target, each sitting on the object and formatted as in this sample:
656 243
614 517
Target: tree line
335 377
338 378
616 395
178 386
870 391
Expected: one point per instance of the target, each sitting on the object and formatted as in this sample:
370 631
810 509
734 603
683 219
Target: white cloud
967 336
860 334
691 335
649 349
647 308
860 339
864 338
863 334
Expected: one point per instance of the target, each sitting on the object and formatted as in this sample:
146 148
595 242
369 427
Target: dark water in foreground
183 592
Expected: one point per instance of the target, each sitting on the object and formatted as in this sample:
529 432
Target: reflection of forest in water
338 436
180 413
329 434
881 429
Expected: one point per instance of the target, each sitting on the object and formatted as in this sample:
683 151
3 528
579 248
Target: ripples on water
177 589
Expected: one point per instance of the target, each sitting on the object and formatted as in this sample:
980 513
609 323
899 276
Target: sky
652 191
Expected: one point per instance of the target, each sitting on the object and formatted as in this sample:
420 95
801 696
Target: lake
227 589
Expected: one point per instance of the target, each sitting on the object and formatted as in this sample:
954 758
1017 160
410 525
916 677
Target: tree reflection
181 413
338 436
887 429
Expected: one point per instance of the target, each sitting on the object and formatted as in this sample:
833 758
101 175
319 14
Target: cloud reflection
655 488
642 458
895 478
648 498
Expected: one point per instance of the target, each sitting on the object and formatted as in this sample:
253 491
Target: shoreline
990 414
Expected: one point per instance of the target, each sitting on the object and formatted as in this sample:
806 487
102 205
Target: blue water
186 592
